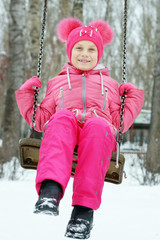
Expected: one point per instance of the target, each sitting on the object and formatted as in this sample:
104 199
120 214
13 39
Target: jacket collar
72 70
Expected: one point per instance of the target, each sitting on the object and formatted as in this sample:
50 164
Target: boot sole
46 212
77 235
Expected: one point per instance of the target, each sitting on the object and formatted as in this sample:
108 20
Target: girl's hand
30 83
125 87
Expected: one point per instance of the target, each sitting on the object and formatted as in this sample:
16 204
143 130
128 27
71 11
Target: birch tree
11 116
153 153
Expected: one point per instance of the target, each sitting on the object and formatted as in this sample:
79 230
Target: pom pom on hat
105 30
66 26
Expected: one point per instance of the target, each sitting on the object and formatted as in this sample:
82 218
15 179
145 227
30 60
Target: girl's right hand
125 87
30 83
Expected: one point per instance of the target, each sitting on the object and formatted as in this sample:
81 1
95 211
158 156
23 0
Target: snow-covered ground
127 212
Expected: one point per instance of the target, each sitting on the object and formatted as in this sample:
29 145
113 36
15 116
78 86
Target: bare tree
153 153
3 81
78 9
11 117
35 10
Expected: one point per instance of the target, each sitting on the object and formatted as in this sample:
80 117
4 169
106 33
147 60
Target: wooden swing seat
29 157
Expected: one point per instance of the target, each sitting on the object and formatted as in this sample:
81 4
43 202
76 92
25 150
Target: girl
81 107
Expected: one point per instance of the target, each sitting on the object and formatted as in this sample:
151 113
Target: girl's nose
85 54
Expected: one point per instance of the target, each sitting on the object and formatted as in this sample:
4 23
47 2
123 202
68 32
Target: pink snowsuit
79 109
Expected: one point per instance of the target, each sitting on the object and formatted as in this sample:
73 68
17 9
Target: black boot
81 223
49 198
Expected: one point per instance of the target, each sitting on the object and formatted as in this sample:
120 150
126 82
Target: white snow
127 212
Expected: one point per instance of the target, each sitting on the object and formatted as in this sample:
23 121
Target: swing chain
42 38
120 134
124 42
119 137
33 124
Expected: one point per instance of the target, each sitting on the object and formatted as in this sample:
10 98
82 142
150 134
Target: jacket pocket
105 99
61 97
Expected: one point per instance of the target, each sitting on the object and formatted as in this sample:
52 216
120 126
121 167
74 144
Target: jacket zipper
105 99
84 97
61 96
95 112
75 110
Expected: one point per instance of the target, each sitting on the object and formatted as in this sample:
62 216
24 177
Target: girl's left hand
125 87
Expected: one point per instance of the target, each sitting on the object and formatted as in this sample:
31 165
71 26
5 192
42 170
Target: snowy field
128 212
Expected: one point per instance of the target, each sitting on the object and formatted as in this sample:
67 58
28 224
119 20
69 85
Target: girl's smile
84 55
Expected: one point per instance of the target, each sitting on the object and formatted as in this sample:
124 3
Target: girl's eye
92 49
78 48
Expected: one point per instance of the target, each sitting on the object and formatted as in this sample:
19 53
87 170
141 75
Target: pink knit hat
72 30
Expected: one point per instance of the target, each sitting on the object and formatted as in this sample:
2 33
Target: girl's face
84 55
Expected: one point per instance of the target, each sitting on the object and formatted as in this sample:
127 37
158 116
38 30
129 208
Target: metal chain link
33 124
123 70
120 134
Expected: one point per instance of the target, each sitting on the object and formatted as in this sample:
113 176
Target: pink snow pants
95 143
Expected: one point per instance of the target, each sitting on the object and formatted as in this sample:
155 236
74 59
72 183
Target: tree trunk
11 116
78 9
35 10
153 151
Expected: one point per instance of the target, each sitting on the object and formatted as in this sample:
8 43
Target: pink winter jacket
87 95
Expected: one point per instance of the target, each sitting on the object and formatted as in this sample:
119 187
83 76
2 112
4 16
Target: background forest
19 49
